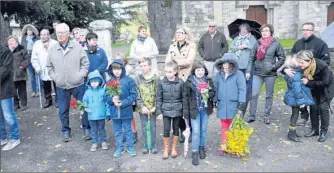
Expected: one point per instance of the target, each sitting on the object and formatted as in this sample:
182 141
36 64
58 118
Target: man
212 46
7 113
54 25
67 65
320 51
38 61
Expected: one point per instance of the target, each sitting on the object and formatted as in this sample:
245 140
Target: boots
175 152
292 136
312 133
323 137
202 153
166 148
194 157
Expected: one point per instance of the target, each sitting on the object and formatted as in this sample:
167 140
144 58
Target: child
169 105
98 110
297 95
231 92
195 108
147 86
124 104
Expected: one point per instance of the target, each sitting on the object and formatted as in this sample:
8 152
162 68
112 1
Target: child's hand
215 110
305 81
115 99
203 91
118 104
302 106
152 110
145 110
247 76
87 110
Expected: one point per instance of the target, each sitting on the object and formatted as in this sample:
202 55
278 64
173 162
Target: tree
164 16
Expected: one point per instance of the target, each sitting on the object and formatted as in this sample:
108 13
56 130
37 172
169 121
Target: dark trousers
304 113
319 111
47 86
168 123
21 96
294 116
183 126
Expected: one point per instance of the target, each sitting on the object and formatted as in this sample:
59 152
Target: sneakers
132 151
66 137
155 149
4 142
145 150
118 152
104 146
93 148
11 145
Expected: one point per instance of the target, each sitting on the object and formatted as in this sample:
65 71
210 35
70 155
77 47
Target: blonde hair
306 55
288 60
189 36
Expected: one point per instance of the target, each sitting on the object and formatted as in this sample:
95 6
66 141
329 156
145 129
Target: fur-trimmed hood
29 26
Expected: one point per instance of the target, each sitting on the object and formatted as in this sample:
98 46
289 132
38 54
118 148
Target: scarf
264 44
241 40
309 72
30 42
199 99
142 39
83 43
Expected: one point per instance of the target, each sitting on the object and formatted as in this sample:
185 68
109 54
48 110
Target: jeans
21 90
319 111
153 122
126 124
98 127
167 123
248 91
64 98
199 125
294 116
256 88
8 116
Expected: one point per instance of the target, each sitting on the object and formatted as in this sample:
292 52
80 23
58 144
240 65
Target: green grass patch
287 43
120 44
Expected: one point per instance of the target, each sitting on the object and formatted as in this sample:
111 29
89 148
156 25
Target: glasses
211 26
62 33
181 33
307 29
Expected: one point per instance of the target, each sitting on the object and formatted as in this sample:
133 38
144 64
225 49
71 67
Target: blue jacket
231 93
128 96
98 61
297 93
95 99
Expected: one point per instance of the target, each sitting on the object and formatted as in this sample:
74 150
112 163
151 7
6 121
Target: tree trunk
164 16
5 30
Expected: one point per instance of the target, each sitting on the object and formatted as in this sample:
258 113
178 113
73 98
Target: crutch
40 91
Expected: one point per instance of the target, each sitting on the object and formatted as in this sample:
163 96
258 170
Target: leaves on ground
185 169
45 162
260 163
281 156
180 163
142 161
293 156
173 166
20 153
65 170
64 160
82 167
110 170
58 145
215 167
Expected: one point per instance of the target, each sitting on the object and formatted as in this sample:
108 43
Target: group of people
221 82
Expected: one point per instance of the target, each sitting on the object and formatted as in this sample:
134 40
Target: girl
231 92
169 105
195 108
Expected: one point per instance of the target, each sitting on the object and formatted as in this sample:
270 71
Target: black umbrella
233 28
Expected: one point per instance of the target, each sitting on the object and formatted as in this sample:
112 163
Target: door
258 13
330 14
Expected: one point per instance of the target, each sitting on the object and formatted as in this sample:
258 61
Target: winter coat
190 108
128 96
68 68
184 58
21 58
297 93
98 61
323 84
39 58
7 89
146 89
169 97
245 53
230 92
273 59
211 49
148 48
318 46
95 99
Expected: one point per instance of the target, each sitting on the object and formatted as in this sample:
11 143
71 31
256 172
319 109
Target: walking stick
40 91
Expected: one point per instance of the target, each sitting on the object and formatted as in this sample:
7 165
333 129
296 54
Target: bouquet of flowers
114 90
79 106
203 88
237 137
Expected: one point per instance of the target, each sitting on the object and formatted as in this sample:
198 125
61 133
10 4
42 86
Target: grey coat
245 54
21 58
212 49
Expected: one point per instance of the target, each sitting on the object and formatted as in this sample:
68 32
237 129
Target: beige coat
184 58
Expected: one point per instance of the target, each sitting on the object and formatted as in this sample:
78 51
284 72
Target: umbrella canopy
328 35
186 133
233 28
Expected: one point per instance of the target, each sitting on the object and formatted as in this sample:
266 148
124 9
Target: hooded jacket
24 42
230 92
128 96
7 89
97 61
95 99
21 58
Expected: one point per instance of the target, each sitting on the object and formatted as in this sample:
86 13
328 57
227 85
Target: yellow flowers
237 137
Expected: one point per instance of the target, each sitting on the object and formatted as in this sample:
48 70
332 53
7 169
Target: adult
30 36
82 38
144 46
39 59
68 65
212 46
265 59
20 63
320 51
97 57
242 47
7 113
54 25
76 34
320 79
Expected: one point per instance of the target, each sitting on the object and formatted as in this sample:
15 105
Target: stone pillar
103 30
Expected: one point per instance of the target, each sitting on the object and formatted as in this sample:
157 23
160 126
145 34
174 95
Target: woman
30 36
183 52
144 46
242 47
265 59
320 79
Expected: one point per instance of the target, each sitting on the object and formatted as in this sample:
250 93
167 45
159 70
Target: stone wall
285 20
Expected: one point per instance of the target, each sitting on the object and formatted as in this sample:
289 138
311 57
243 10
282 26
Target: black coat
21 58
273 59
169 97
6 73
190 109
318 46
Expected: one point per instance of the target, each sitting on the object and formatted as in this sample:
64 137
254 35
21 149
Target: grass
120 44
280 87
287 43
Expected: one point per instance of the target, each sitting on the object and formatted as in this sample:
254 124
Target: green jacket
146 90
